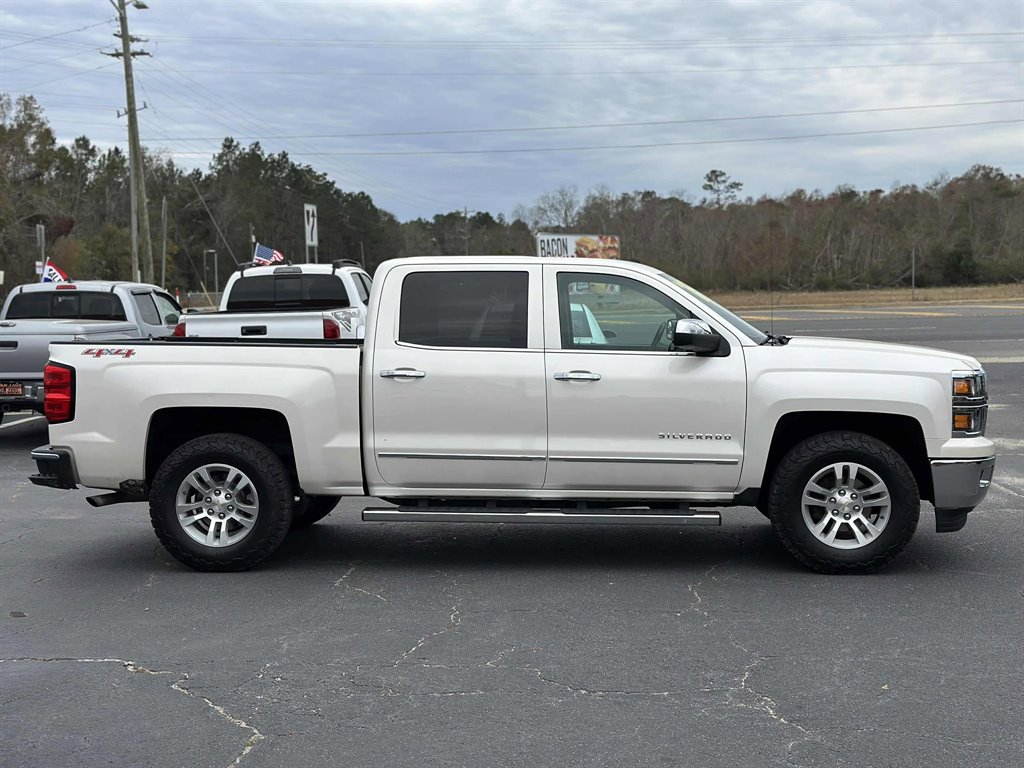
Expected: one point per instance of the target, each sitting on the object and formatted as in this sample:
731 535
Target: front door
458 380
624 412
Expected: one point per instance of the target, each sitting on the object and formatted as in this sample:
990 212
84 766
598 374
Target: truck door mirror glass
695 337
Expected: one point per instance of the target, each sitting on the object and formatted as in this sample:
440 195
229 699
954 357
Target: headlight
970 403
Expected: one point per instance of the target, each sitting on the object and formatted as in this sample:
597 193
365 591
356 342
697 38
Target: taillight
179 329
331 329
59 393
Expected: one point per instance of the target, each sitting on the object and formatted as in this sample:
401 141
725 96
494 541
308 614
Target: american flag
264 254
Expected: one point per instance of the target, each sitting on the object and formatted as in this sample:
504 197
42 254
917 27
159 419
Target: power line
651 145
71 74
585 126
55 34
973 38
221 105
625 72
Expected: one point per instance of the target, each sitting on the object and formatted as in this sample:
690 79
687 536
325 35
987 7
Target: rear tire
221 502
844 502
312 509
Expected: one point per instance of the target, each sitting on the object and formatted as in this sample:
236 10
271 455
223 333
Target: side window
362 286
612 312
169 310
147 309
465 309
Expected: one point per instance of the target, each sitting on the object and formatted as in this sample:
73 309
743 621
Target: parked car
37 314
301 301
474 398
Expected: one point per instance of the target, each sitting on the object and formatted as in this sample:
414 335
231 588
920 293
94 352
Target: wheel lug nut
216 493
208 499
221 515
835 512
845 517
842 493
853 495
832 500
232 509
856 509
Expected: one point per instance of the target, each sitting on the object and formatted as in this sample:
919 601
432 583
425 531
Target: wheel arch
903 433
170 428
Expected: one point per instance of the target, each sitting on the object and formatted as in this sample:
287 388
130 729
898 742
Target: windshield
734 320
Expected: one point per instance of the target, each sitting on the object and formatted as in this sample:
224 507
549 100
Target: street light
206 271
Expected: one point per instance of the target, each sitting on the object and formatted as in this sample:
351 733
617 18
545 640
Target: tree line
952 230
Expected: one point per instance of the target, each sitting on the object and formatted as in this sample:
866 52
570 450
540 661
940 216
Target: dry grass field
889 296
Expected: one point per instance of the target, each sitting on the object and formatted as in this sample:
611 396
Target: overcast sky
306 77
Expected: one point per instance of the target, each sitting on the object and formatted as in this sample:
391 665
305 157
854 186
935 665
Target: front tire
844 502
221 502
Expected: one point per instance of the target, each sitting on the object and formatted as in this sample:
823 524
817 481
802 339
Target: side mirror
610 334
695 337
171 319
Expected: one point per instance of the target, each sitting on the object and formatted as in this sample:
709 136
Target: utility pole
163 249
140 225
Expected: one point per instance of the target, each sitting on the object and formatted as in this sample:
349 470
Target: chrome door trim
653 460
467 456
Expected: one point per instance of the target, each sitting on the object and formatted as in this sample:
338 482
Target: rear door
625 412
457 379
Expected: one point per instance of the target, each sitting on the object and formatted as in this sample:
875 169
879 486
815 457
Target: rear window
76 305
288 292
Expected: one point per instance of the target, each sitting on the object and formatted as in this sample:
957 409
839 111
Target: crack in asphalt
454 620
343 582
177 685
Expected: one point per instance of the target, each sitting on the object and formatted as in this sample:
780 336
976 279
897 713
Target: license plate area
11 389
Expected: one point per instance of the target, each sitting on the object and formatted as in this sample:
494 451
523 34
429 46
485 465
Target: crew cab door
457 378
624 412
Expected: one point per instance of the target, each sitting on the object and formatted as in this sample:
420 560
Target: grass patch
898 296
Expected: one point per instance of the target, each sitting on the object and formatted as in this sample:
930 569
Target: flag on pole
54 274
264 254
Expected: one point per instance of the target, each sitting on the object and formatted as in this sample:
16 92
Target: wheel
844 502
221 503
311 509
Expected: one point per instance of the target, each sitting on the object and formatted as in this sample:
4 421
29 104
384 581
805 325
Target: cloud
296 69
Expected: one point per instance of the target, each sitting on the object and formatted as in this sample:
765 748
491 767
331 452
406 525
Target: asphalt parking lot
366 644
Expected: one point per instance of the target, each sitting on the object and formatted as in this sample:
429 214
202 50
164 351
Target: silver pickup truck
37 314
516 389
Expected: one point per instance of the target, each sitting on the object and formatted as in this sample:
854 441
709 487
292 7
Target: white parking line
5 425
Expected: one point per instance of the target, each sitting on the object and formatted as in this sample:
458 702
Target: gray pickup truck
39 313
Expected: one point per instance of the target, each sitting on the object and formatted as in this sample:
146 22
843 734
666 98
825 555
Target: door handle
578 376
402 373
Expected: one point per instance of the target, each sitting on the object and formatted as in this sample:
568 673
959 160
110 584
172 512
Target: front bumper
960 485
56 468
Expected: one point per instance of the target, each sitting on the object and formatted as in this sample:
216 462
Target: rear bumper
56 468
31 398
960 486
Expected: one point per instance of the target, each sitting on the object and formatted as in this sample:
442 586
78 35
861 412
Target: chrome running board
524 515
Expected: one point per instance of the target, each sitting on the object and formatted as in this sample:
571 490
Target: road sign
39 267
311 227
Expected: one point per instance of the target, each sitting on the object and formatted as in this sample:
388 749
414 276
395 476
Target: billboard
578 246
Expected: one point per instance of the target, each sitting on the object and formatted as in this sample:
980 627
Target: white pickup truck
288 301
484 393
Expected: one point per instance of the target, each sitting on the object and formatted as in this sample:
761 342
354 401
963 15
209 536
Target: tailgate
256 325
